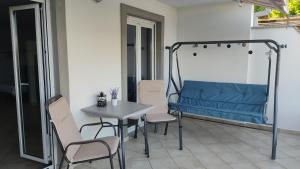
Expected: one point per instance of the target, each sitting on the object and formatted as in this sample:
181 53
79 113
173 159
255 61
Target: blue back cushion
243 102
225 92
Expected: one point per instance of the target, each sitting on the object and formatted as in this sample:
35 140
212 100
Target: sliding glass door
140 54
30 90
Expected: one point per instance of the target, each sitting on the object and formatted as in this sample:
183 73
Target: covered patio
149 84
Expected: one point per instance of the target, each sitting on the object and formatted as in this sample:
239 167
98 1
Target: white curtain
274 4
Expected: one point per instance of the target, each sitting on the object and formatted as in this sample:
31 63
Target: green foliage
294 9
276 14
259 8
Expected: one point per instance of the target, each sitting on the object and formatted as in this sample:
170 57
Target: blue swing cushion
233 101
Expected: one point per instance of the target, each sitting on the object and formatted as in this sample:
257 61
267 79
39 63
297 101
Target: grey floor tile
233 157
138 164
289 163
268 165
254 155
163 163
219 148
293 151
174 152
188 162
243 166
218 166
159 153
210 159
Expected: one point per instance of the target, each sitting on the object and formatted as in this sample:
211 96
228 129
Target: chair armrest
87 125
103 124
172 94
108 124
88 142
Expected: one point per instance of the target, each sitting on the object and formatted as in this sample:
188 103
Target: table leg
146 136
121 134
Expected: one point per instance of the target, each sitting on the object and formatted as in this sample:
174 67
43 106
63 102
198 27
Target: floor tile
210 159
289 163
232 157
218 166
243 166
188 163
163 163
138 164
268 165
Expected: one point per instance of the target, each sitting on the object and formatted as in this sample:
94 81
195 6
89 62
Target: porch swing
230 101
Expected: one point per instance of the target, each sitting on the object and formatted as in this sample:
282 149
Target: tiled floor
209 145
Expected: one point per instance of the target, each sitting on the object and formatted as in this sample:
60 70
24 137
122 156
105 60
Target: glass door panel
131 63
146 53
29 81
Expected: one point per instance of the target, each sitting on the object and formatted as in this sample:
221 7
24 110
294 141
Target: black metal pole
178 72
177 45
121 133
269 76
170 70
147 151
275 118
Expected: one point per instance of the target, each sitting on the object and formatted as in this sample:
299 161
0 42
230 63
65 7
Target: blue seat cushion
244 102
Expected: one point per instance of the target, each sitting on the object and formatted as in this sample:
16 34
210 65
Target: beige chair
75 149
152 92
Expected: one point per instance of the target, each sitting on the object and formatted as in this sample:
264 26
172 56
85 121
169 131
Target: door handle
24 84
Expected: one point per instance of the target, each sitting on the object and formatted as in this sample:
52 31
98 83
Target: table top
123 110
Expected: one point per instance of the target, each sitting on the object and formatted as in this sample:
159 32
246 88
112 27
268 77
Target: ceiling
186 3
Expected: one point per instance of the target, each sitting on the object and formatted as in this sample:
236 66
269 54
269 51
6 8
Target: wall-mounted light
98 1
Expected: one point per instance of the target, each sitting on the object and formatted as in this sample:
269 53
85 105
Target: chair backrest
64 124
152 92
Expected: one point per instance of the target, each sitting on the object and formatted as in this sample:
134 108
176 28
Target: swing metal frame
271 44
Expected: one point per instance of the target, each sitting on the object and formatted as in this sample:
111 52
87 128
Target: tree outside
294 10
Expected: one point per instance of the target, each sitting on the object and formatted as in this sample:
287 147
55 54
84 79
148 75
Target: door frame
159 20
139 23
45 63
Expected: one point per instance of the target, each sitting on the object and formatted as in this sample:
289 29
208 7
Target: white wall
289 84
220 21
94 46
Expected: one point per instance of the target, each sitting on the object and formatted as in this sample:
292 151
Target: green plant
259 8
294 10
294 7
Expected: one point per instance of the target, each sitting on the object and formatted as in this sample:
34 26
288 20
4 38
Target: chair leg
166 129
119 158
180 130
111 162
155 128
146 137
68 166
136 129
